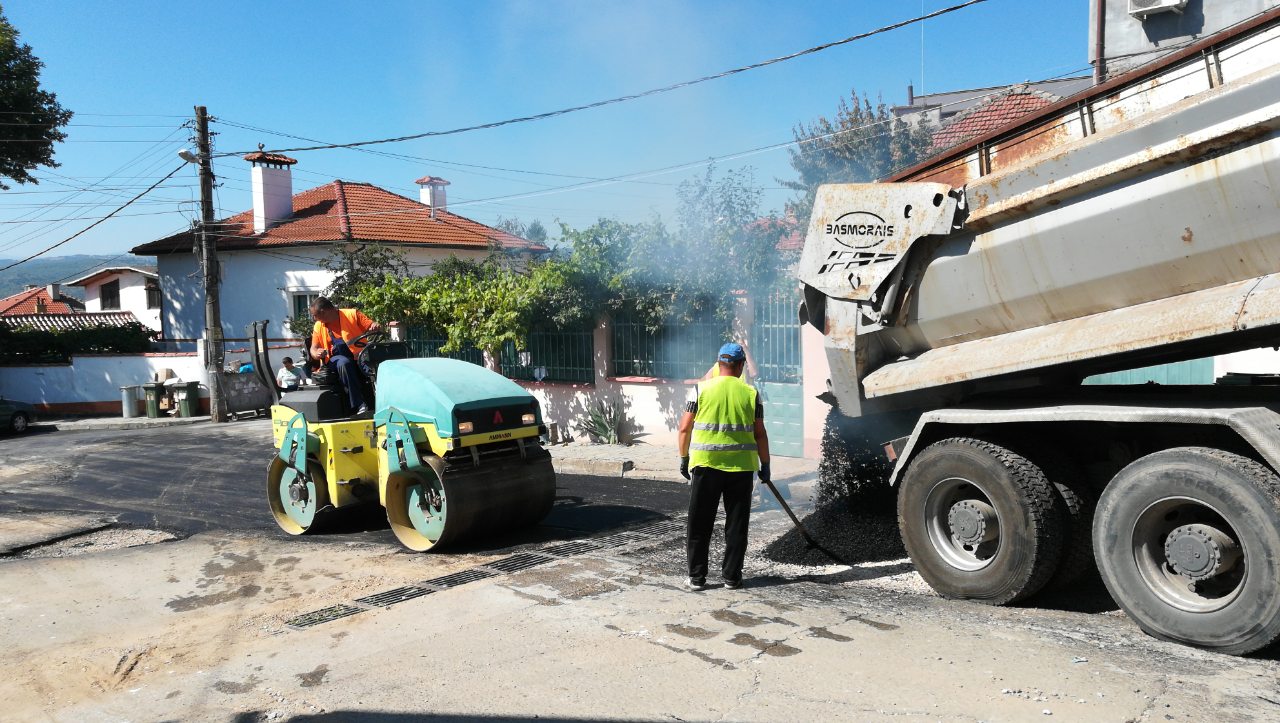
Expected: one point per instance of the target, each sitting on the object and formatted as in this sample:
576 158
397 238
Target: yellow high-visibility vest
724 426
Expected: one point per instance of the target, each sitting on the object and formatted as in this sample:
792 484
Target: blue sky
353 71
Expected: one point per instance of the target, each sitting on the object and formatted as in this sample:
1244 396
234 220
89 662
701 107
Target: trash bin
129 401
188 394
153 391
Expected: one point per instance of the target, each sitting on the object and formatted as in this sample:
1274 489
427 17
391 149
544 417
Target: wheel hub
298 492
969 522
1200 552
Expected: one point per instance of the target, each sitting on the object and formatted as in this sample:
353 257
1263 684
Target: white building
135 289
269 255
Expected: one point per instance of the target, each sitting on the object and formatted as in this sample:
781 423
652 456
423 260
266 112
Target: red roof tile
51 322
431 180
24 302
348 211
995 112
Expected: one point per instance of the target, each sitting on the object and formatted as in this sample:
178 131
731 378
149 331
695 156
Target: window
153 293
302 304
109 295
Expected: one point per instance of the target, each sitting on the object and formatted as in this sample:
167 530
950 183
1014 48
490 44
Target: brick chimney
272 188
431 193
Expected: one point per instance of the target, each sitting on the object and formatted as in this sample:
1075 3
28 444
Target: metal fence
775 337
558 356
676 351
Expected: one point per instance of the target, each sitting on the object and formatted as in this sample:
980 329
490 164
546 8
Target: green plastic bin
153 392
188 399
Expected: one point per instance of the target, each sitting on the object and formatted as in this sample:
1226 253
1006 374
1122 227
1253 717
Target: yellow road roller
453 451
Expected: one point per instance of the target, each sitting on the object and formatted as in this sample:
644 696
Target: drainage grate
391 597
323 615
605 543
459 578
568 549
665 527
515 563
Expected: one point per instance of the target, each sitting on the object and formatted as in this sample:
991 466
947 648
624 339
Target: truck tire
1078 504
1188 543
980 522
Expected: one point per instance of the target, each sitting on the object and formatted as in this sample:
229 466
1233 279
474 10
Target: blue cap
732 353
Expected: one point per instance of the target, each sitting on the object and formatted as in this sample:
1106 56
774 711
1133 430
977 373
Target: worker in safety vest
333 330
722 444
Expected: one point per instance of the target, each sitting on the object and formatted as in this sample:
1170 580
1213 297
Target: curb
594 467
95 425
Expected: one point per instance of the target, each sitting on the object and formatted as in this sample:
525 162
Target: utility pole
213 341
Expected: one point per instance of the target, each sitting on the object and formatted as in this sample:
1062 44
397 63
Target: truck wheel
980 522
1188 543
1078 504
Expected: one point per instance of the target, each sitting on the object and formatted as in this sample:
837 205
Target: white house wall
259 285
133 298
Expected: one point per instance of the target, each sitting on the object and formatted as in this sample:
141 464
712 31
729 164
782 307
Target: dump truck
963 302
452 450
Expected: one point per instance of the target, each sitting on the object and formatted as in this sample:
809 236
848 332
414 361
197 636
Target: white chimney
52 290
272 188
431 193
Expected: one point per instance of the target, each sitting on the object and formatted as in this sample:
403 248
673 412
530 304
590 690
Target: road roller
453 451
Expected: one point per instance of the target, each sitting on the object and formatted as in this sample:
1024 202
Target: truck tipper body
964 300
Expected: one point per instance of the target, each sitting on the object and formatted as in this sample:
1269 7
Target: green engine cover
431 390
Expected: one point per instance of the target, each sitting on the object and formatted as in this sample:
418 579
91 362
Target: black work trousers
707 487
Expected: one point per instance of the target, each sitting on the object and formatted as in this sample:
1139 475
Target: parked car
16 416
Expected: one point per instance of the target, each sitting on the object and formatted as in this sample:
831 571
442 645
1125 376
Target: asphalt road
200 478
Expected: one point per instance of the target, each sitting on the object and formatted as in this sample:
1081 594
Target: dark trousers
707 487
352 379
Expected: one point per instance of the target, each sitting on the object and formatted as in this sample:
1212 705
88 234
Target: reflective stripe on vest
724 426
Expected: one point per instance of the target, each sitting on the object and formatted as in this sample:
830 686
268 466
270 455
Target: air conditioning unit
1140 9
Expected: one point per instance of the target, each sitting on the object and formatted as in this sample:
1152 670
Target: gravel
109 539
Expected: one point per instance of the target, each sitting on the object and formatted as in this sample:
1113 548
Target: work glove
684 467
764 472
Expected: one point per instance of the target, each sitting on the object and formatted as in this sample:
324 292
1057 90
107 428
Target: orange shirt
351 324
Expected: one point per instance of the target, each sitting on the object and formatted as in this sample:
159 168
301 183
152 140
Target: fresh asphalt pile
852 536
856 518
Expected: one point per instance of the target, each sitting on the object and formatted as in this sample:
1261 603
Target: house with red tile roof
995 111
132 290
40 300
269 255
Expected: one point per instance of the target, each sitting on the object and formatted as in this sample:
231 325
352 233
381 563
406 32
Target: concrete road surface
239 623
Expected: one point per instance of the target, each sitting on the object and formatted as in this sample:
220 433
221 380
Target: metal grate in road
461 577
391 597
569 549
516 563
323 615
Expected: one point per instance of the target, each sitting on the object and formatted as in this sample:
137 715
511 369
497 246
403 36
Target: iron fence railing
677 350
775 337
558 356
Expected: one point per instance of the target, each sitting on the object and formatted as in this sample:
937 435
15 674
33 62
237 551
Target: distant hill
48 269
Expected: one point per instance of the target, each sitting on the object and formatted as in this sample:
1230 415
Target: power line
633 96
95 223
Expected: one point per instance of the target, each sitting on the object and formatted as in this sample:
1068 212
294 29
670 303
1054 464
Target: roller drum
442 504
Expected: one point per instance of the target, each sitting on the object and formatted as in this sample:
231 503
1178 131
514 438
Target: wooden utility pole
209 262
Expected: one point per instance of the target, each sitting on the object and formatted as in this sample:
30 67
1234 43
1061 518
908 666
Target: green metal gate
775 345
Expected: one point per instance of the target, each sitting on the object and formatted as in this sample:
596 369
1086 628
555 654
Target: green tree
863 143
481 304
535 231
32 117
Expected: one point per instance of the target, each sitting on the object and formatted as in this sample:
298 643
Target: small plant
605 423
